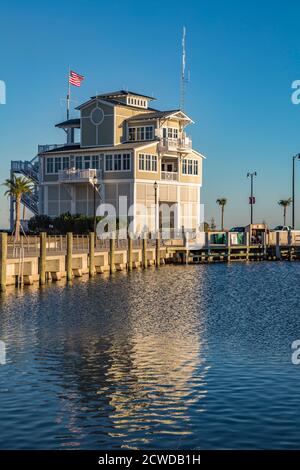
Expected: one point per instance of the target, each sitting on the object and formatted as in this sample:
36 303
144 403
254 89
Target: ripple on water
187 357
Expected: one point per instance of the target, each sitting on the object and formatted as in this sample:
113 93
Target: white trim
92 100
180 183
198 154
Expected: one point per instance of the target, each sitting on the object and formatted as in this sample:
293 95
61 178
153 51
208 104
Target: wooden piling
144 252
112 245
42 259
228 247
69 256
129 252
247 245
91 254
278 248
3 261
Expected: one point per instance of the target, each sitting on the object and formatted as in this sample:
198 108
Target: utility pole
295 157
252 198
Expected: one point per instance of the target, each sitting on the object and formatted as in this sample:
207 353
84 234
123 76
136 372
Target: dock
43 259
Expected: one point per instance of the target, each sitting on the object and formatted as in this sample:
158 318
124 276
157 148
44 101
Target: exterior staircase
30 169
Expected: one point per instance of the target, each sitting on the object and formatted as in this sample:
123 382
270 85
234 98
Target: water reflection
169 359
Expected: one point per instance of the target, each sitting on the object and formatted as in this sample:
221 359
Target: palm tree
16 187
222 203
285 203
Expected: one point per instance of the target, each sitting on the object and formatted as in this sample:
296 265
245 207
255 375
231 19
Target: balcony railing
73 175
184 144
169 175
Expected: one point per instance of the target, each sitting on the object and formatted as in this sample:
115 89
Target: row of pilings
42 256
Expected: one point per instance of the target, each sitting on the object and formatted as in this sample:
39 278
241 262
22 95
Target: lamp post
252 198
155 198
94 185
157 234
295 157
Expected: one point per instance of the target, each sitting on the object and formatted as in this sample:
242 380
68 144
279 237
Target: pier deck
51 258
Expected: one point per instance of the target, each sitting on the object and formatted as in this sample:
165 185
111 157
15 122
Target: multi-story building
125 148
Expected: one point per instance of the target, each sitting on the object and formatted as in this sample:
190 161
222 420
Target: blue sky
243 58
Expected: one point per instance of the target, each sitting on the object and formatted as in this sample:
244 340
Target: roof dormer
129 98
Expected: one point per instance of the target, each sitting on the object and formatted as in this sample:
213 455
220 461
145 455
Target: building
125 146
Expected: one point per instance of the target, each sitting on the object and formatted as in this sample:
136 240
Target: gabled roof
160 115
116 94
111 102
77 148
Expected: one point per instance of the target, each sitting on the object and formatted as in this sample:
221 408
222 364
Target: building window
57 164
190 167
141 162
108 162
170 133
118 162
86 162
131 133
95 162
149 132
126 161
154 163
147 162
66 163
141 133
50 166
78 162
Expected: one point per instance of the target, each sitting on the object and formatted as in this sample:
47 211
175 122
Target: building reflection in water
119 363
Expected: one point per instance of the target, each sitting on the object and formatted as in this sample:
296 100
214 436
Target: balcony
169 175
73 175
175 145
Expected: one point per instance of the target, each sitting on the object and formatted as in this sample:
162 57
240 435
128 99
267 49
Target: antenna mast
183 79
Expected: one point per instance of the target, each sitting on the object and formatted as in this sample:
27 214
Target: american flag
75 79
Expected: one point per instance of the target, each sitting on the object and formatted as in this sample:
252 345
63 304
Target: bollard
247 246
157 250
228 247
129 253
3 261
69 256
278 250
91 254
290 244
144 252
112 244
42 259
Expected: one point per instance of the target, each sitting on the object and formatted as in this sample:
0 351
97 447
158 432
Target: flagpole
68 96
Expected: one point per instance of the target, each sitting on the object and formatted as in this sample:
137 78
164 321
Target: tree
285 203
222 203
16 187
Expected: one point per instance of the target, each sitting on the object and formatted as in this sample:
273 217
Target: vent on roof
137 101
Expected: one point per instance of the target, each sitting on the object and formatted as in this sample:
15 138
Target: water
189 357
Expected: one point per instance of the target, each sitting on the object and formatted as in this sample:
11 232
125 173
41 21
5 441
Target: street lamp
252 198
94 185
295 157
155 193
157 241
